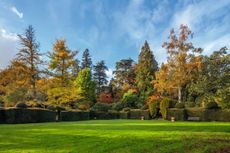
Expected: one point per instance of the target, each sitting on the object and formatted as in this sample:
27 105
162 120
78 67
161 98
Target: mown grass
116 136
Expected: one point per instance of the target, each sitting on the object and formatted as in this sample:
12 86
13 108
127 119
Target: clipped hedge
16 115
201 113
124 115
104 115
74 116
137 114
196 112
2 115
179 114
217 115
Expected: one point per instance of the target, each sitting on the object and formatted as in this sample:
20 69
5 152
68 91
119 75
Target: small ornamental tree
85 86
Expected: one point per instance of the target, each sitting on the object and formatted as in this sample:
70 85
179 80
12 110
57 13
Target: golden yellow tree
62 60
183 61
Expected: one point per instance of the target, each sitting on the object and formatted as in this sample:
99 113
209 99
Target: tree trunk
179 94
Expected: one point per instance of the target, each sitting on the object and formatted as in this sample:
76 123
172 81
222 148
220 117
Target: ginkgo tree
183 61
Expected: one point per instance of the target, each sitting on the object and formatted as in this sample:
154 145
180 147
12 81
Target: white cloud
8 47
109 73
216 44
194 14
15 11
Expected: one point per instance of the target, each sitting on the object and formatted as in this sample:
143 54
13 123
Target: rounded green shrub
179 105
21 105
211 105
165 104
101 107
117 106
130 99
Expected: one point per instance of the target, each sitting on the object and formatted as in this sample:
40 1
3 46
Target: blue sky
113 29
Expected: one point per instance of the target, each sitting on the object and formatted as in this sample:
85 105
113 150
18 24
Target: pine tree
145 71
29 55
100 76
86 60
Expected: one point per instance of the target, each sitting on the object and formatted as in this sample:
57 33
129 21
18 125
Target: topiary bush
153 108
211 105
130 99
101 107
165 104
117 106
21 105
179 105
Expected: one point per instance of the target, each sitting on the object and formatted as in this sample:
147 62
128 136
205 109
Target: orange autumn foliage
105 97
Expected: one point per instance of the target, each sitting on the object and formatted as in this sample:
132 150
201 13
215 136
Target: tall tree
124 78
62 60
75 68
100 76
124 73
86 60
213 79
85 86
146 68
30 56
182 62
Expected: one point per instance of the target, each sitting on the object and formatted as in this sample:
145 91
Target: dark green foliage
104 115
153 108
74 116
213 81
2 115
124 115
139 114
146 68
21 105
124 73
100 76
190 104
211 105
126 109
179 105
217 115
86 60
178 114
144 107
101 107
165 104
15 115
196 112
118 106
130 99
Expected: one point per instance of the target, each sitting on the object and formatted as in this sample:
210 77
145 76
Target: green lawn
121 136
